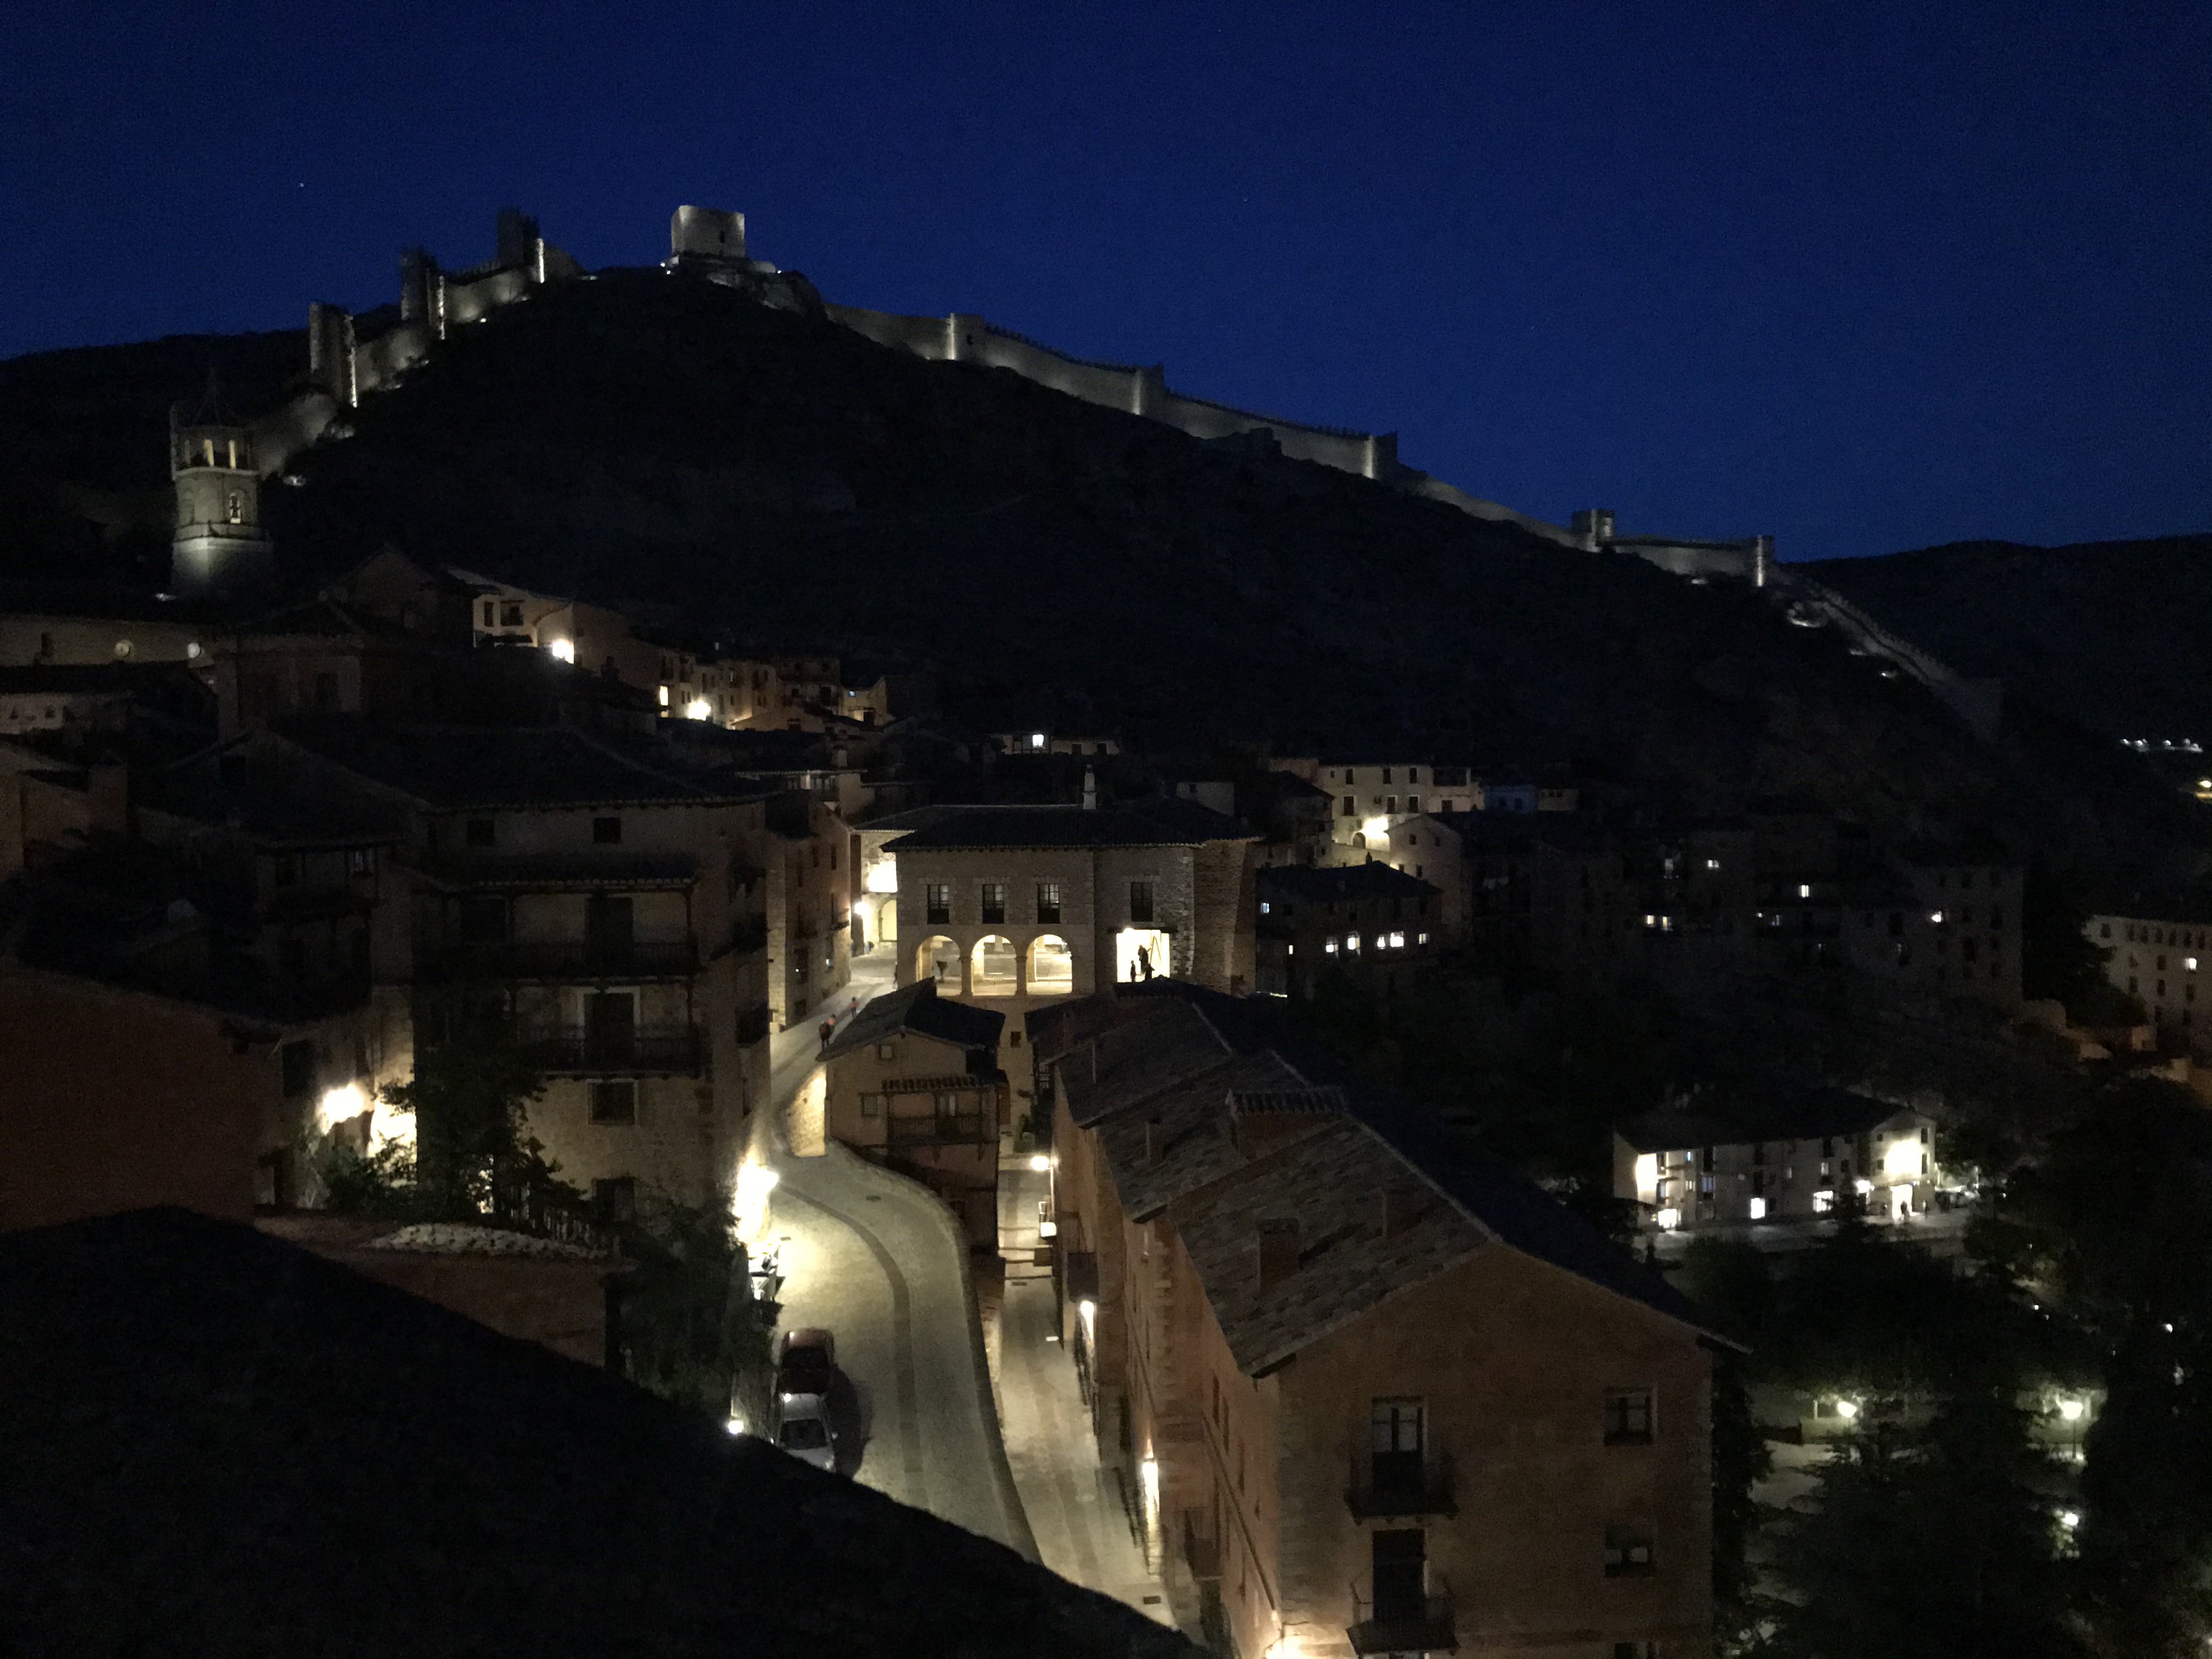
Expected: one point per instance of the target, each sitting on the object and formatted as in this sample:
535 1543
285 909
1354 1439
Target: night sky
1868 275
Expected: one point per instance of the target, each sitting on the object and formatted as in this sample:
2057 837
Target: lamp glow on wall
749 1204
698 709
565 650
1647 1172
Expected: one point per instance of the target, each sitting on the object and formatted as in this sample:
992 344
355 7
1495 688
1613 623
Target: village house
606 907
1372 925
1944 923
1368 1398
1799 1155
912 1082
2158 959
1018 907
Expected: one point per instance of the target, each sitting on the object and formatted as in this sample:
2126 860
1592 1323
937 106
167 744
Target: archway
992 971
938 958
1052 966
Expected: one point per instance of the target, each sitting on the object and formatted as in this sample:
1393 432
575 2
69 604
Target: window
491 613
1627 1552
1350 806
994 900
1396 1437
326 691
606 832
361 861
1140 901
1413 805
511 614
872 1105
284 870
479 833
295 1064
615 1199
483 919
614 1100
937 902
1352 942
1628 1417
1048 901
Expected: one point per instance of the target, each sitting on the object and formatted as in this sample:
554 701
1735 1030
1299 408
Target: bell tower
219 545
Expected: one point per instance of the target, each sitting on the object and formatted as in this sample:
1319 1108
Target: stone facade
2161 963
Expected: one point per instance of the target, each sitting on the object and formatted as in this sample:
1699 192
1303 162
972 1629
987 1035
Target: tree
689 1327
475 1156
1936 1542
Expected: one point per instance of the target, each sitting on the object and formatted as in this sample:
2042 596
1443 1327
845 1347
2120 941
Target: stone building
1367 1398
606 906
1020 906
809 884
1372 925
2159 959
1943 921
1798 1156
913 1082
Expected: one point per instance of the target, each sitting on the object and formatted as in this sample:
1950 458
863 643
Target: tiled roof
1155 821
1182 1077
1332 1185
457 767
1372 879
917 1008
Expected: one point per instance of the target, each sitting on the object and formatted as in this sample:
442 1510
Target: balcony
972 1130
644 1050
566 961
1200 1554
1400 1483
1409 1623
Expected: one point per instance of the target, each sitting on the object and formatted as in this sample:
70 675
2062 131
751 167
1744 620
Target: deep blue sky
1870 275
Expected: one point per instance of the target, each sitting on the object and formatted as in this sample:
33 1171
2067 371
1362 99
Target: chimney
1090 790
1402 1207
1279 1252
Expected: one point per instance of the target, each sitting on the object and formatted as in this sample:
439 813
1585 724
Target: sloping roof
452 767
1155 821
917 1008
220 1442
1784 1113
1182 1071
1373 879
1332 1184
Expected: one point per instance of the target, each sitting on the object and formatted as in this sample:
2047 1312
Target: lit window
1759 1209
1422 939
1329 946
1397 941
1627 1417
1935 916
1804 889
1712 864
1352 941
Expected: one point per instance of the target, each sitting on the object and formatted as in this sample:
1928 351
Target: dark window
491 613
937 902
361 861
1627 1417
614 1100
484 920
511 615
1627 1552
1350 807
230 770
1397 1435
1140 901
326 691
292 953
480 833
284 870
1401 1562
360 953
994 900
295 1063
606 832
1048 901
615 1200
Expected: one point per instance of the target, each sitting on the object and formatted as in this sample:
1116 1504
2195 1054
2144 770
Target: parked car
805 1430
806 1363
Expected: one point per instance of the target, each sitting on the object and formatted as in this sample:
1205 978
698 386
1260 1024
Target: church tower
219 545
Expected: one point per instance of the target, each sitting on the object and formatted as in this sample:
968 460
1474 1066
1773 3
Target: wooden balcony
566 961
1400 1483
1407 1624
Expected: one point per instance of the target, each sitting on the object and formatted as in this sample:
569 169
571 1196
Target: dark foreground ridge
220 1444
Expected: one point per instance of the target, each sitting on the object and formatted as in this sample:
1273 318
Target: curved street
875 1260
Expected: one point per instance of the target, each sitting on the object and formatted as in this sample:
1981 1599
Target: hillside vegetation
673 447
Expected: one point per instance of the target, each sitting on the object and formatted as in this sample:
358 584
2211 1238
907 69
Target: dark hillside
670 446
2117 635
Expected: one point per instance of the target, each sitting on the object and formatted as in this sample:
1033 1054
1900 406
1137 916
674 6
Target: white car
805 1430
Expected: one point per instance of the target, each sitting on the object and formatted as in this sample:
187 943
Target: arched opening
992 973
1052 966
938 958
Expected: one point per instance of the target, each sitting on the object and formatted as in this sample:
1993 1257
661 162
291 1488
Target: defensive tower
219 545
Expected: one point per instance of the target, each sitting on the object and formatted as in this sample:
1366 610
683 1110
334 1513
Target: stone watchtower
219 545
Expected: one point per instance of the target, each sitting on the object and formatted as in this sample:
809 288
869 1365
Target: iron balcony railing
670 1049
1400 1483
1410 1623
568 960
